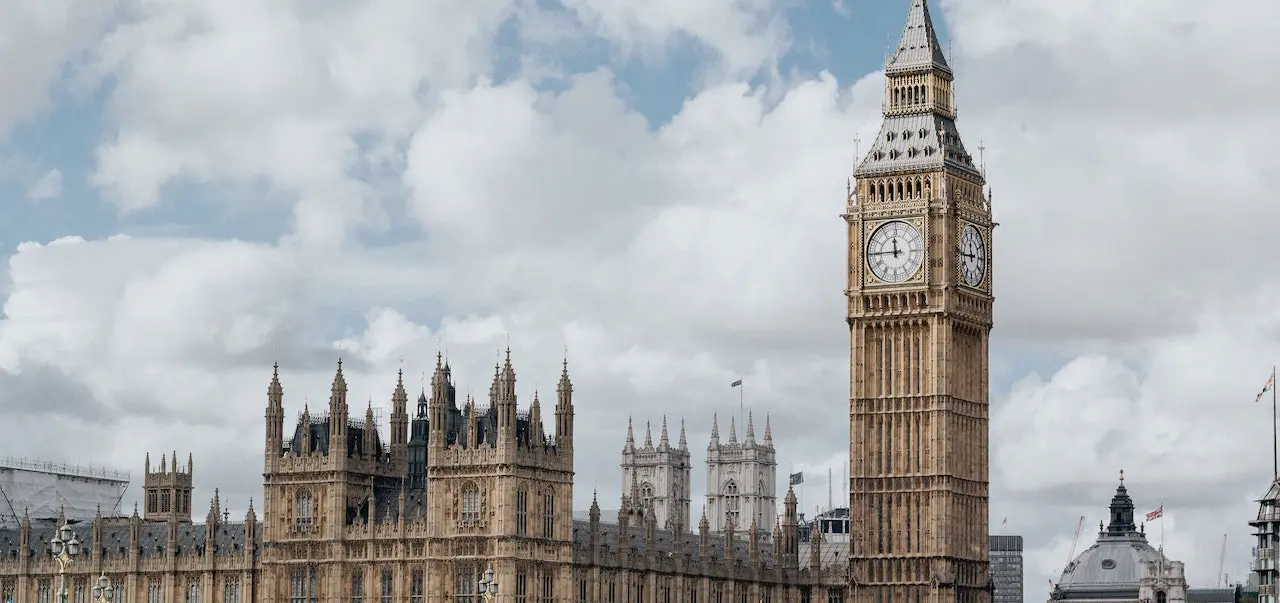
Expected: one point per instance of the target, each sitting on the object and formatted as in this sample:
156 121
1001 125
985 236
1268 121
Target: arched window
549 513
522 512
470 503
732 502
1161 597
646 494
303 509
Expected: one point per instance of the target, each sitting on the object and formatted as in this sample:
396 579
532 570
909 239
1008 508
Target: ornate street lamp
64 546
102 591
488 585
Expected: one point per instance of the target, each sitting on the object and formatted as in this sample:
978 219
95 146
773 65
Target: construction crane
1222 559
1071 553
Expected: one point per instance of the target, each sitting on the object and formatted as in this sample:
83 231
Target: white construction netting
43 489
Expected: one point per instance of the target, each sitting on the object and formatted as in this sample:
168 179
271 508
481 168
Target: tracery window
155 592
152 502
388 585
522 512
231 590
298 586
470 503
43 592
522 587
357 585
465 589
549 513
835 595
303 512
646 494
193 593
416 587
164 501
548 588
80 592
1161 597
732 502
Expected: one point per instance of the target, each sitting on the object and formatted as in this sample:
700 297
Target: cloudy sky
192 190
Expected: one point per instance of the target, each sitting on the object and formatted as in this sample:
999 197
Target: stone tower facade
742 478
660 475
919 313
167 490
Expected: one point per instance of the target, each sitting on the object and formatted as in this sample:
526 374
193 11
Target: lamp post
64 546
488 586
102 591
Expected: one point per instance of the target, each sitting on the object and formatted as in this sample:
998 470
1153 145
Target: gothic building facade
453 490
661 476
919 297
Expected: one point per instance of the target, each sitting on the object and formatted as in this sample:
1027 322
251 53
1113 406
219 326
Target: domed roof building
1123 567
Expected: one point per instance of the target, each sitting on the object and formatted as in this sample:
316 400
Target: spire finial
1122 476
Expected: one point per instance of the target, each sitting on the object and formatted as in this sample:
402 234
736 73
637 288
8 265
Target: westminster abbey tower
919 313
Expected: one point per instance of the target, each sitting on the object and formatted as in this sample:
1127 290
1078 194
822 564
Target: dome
1114 564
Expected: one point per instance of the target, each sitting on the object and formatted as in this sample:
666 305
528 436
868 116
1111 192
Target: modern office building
1006 568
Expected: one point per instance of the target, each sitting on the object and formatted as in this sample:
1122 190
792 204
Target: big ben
919 313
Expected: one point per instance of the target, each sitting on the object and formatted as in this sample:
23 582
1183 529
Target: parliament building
418 513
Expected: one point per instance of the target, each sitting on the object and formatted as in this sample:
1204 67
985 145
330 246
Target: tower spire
918 47
684 443
663 442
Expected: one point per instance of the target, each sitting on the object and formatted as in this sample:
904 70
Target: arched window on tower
1161 597
646 494
732 502
470 503
549 513
522 512
303 510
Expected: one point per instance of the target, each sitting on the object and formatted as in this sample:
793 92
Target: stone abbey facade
456 489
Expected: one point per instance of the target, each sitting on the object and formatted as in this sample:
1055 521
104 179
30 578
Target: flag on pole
797 478
737 383
1158 513
1266 387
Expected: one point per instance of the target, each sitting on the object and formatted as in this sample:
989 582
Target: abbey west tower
659 476
919 294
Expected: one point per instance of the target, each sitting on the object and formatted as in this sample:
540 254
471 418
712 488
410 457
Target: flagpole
742 415
1162 527
1275 440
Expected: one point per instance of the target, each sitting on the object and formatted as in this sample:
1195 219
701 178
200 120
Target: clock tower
919 312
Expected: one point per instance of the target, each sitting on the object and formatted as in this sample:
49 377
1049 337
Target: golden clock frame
867 277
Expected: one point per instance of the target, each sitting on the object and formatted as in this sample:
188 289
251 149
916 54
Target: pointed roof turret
274 390
684 442
339 381
733 432
715 431
750 437
918 48
664 443
1121 512
648 435
630 445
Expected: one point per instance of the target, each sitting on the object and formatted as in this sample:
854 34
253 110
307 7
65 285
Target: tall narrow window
231 589
388 585
155 592
548 588
470 503
303 508
357 585
43 592
582 590
416 587
549 514
522 587
522 512
612 592
835 595
465 589
731 503
81 592
298 586
193 592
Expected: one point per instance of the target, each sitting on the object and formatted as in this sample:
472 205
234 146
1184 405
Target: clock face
895 251
973 256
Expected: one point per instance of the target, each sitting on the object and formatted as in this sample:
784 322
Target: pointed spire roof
339 381
648 434
750 436
768 432
715 429
664 442
684 442
918 48
630 445
733 432
274 390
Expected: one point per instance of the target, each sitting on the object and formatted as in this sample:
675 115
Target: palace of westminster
455 488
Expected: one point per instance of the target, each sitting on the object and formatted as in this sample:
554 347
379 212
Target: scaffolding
44 489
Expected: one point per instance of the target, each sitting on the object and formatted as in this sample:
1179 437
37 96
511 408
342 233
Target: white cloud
48 186
672 258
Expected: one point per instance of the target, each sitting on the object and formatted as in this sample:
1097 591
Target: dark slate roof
917 142
153 538
918 48
1212 595
669 543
